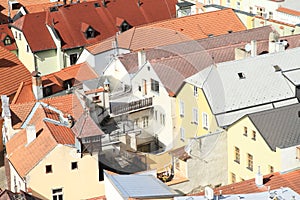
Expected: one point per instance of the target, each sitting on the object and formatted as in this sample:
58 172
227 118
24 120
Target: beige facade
70 175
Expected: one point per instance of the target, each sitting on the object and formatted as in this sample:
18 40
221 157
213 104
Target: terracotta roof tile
12 72
20 111
275 181
86 127
174 31
35 36
288 11
24 94
4 32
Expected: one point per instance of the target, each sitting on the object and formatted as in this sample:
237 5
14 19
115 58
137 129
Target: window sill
253 139
237 161
251 169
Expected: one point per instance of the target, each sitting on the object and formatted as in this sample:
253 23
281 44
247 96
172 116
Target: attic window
277 68
97 5
210 35
124 26
53 9
241 75
90 33
7 40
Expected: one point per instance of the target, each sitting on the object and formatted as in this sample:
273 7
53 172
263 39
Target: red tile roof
39 38
12 72
275 181
4 32
49 136
69 20
174 31
24 94
20 112
86 127
288 11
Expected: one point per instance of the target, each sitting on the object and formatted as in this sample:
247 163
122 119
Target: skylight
241 75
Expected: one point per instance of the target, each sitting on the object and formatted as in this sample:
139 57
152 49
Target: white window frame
181 108
57 194
182 134
195 116
195 91
205 122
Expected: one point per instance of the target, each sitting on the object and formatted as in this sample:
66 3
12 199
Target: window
182 135
205 123
250 9
73 58
270 15
136 122
253 135
57 194
228 2
27 48
74 165
96 99
19 36
144 87
90 33
249 162
298 152
16 34
237 154
145 121
48 169
7 41
233 178
241 75
260 11
195 91
195 116
181 108
162 119
271 169
47 91
154 85
245 131
238 5
155 115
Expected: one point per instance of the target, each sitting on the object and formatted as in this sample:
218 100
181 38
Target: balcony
120 108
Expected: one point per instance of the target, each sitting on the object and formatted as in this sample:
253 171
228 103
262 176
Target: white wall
289 158
161 102
117 70
15 178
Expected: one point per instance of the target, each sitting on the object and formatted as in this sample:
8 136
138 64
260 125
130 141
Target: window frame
154 85
48 169
205 122
71 58
57 194
249 161
237 155
195 116
195 91
181 108
74 165
182 134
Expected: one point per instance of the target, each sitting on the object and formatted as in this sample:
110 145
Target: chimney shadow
267 179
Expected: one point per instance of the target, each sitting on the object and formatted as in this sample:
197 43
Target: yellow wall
47 62
81 183
263 156
186 95
27 58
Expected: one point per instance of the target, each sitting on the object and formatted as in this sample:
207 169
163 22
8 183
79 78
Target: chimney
30 133
253 48
141 58
37 86
273 38
139 3
104 3
259 178
70 121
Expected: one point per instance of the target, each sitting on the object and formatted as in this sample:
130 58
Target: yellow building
194 115
267 140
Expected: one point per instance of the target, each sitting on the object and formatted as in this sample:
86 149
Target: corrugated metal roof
140 186
279 127
293 76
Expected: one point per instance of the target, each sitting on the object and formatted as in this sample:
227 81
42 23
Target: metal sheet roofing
236 85
293 76
279 127
140 186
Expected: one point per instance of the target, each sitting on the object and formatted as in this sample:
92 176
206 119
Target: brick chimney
37 86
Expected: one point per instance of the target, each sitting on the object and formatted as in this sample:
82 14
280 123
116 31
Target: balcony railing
134 105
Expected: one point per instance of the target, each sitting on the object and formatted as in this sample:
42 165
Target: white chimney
259 178
37 86
273 38
208 193
30 133
253 48
141 58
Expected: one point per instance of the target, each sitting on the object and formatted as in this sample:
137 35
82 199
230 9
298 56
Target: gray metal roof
260 85
140 186
279 127
293 76
291 4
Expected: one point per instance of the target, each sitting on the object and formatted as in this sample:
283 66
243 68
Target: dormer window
122 24
241 75
90 33
7 40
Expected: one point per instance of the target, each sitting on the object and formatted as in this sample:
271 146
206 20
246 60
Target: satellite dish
248 47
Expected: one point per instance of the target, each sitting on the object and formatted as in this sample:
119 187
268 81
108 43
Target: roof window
241 75
277 68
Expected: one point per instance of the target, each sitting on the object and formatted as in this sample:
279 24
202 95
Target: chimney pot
37 86
141 58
